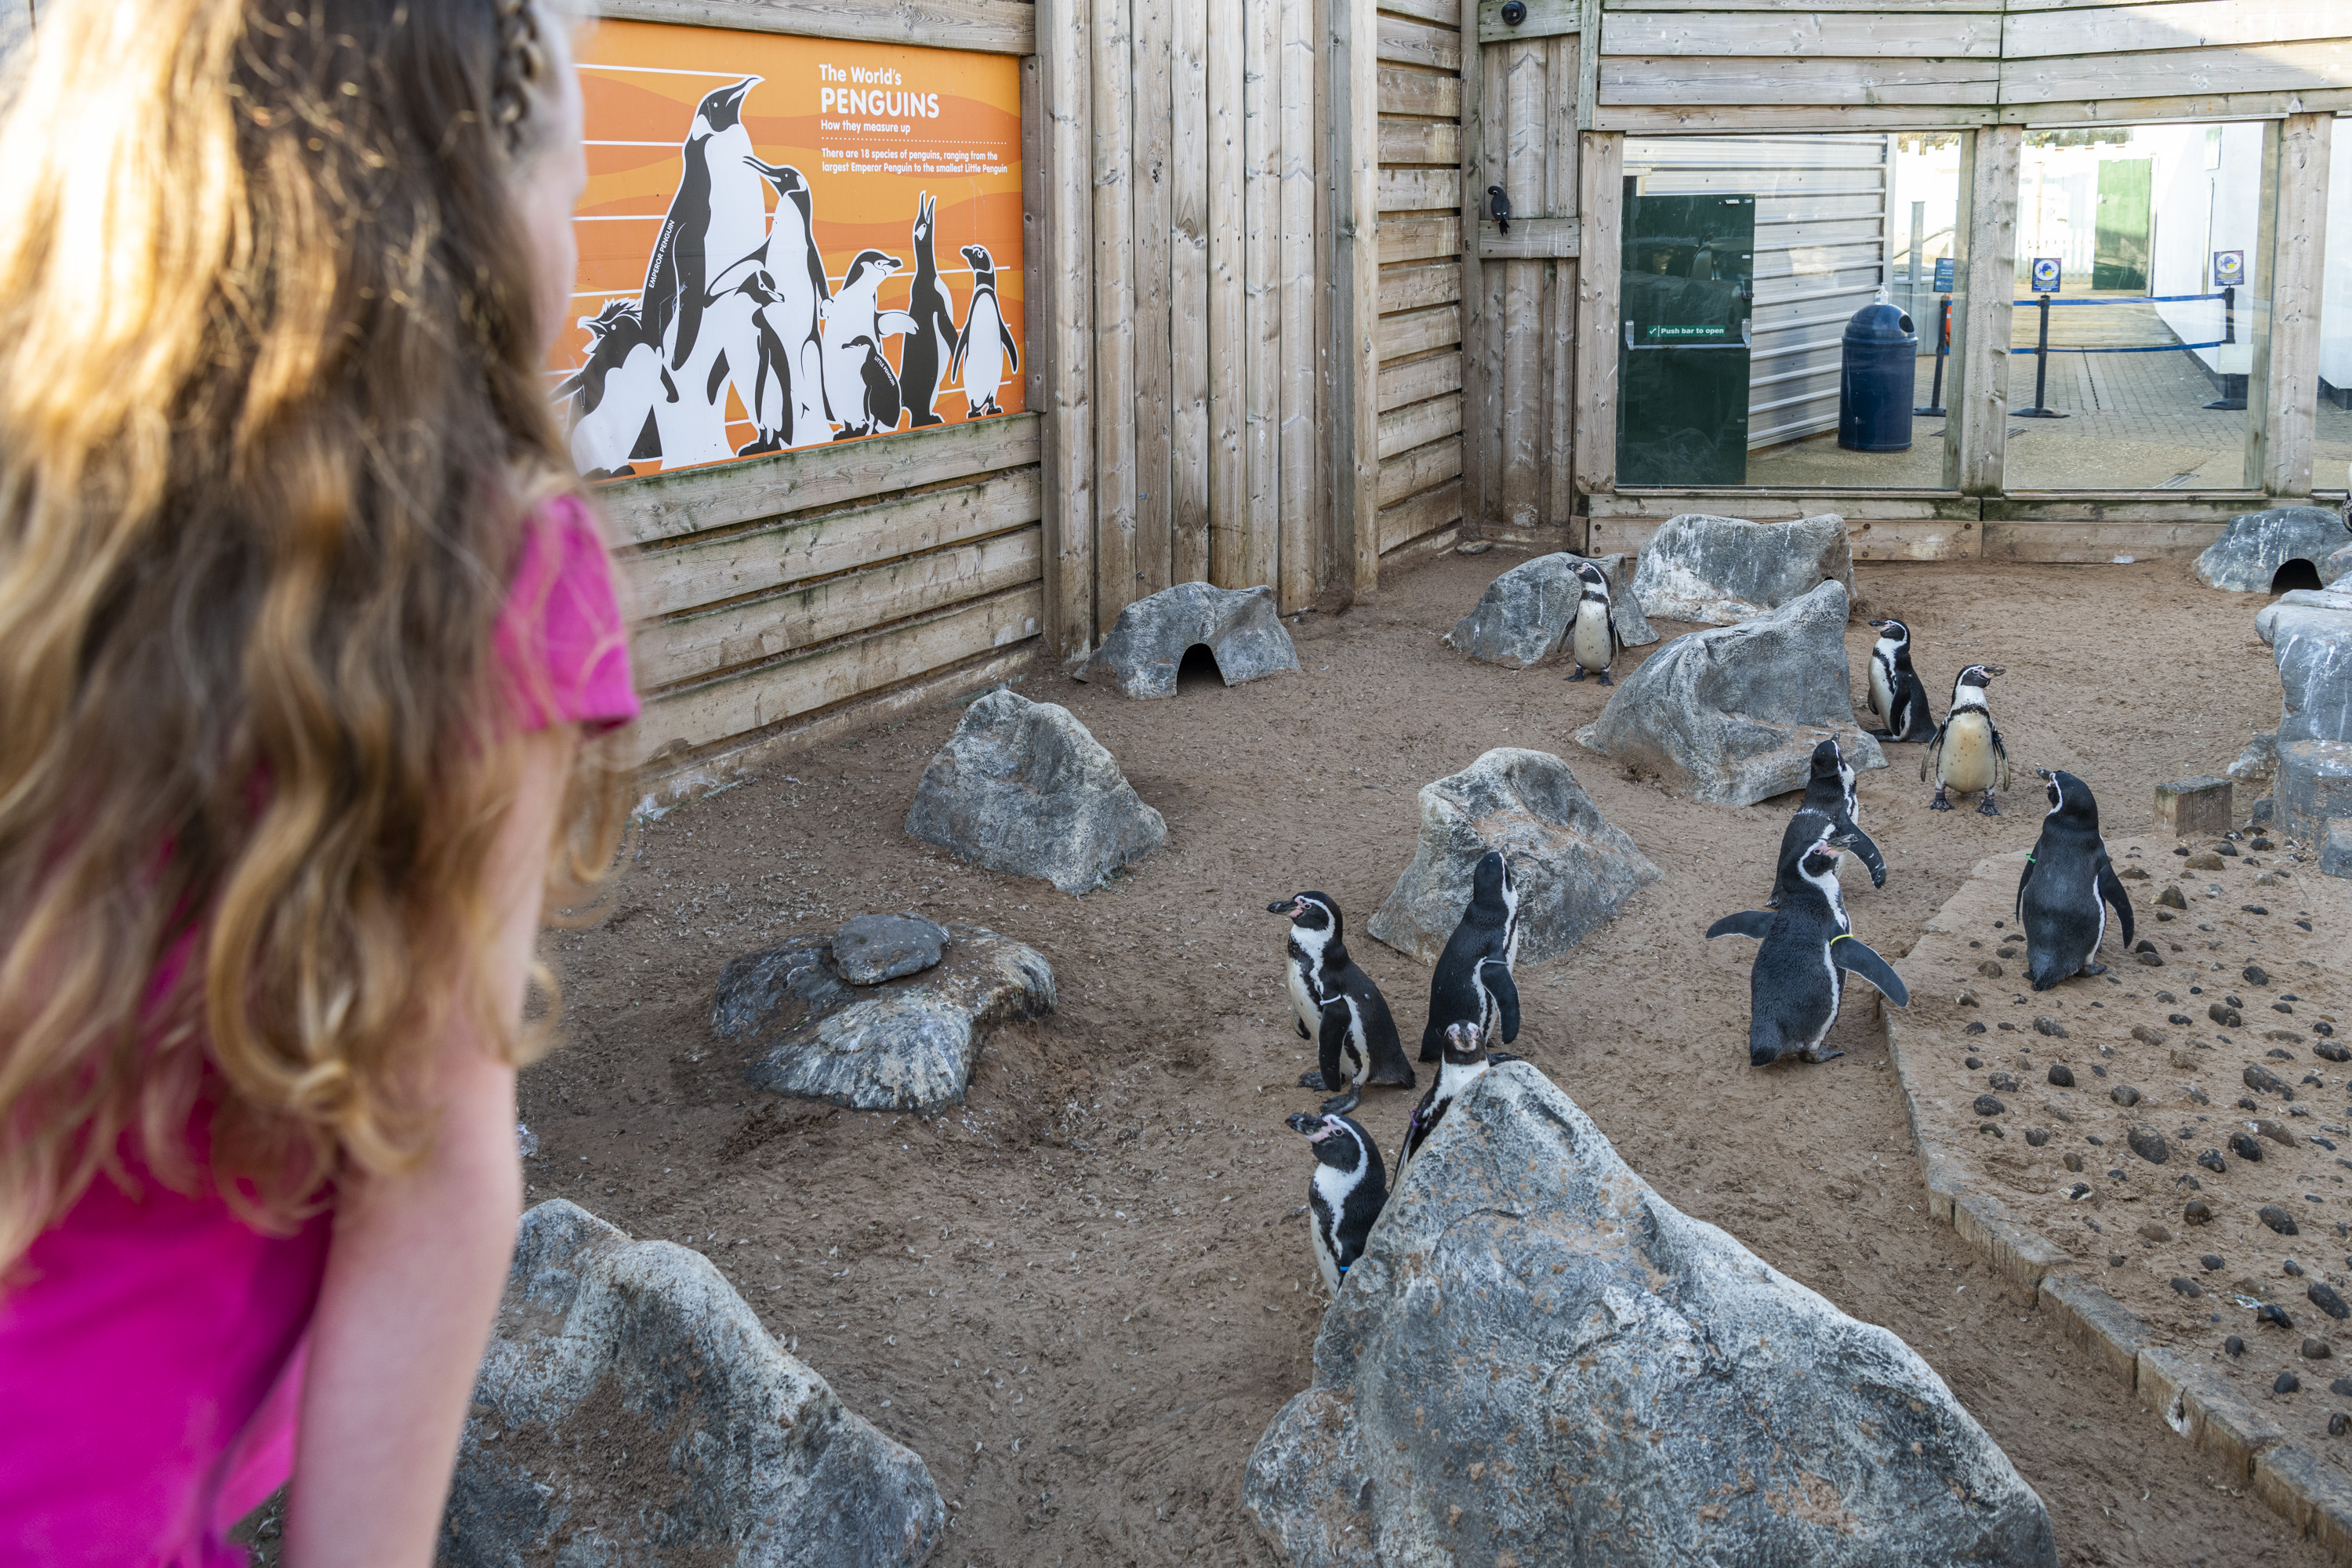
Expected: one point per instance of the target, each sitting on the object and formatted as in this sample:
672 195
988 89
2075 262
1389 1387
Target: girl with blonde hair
309 655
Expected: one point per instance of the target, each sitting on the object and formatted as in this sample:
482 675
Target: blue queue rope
2042 351
2132 300
2136 348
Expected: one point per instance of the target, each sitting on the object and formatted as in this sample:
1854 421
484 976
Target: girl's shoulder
562 639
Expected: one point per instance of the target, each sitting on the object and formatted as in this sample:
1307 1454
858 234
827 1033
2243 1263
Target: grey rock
2336 567
1571 868
2312 799
2336 852
1524 611
870 949
1022 787
904 1044
2149 1145
1732 714
1720 570
1537 1356
2257 763
632 1409
1241 627
2257 544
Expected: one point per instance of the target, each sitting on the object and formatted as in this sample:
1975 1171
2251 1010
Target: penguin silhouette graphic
768 394
2067 887
1897 696
797 270
717 218
923 357
879 407
614 393
1809 948
1348 1189
855 312
984 351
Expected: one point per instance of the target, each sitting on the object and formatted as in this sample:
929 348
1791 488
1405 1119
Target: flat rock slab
1722 569
1524 612
2255 544
870 949
1537 1360
1571 868
1241 627
2310 634
1022 787
1733 713
632 1409
903 1045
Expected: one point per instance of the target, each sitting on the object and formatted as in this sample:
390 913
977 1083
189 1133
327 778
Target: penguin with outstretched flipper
1592 640
1808 949
717 218
856 314
1967 754
1897 696
2067 887
984 350
923 357
613 393
1348 1189
1831 804
1472 982
1335 1005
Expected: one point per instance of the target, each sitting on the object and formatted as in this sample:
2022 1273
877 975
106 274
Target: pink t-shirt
152 1368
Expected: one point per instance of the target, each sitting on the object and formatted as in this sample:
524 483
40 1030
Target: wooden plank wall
1419 335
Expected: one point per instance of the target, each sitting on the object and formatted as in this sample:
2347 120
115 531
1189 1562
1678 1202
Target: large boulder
1721 570
1537 1360
632 1409
1524 611
2310 634
2257 544
1022 787
2336 567
1570 866
903 1044
1732 714
1241 627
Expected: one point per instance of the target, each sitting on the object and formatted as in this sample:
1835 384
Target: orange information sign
788 241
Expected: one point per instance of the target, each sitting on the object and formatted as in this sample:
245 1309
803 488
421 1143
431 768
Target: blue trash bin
1877 379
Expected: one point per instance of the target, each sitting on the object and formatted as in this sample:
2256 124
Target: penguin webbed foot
1313 1079
1986 807
1817 1055
1939 803
1340 1104
1880 734
1605 680
1579 673
2094 968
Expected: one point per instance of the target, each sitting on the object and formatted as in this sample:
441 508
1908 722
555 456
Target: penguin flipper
1748 922
2000 758
2111 888
1505 992
1932 758
2017 910
893 321
1849 953
1011 349
1336 1019
1864 847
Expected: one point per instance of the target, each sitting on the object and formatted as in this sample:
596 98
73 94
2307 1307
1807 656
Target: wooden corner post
1600 201
2283 382
1063 225
1985 230
1353 460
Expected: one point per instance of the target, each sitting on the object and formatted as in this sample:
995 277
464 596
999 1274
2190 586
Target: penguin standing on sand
1831 804
2067 887
984 351
802 291
1809 947
923 357
1967 754
1592 636
854 314
1472 982
1896 694
717 218
1348 1189
1335 1005
1466 1062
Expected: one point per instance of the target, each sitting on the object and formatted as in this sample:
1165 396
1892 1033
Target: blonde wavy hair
271 417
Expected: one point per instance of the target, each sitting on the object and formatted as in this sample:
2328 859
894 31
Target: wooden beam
2208 24
1425 514
1357 149
1515 405
1760 35
1985 234
1066 323
1420 44
1190 328
1674 79
2283 387
1545 18
1115 569
1479 138
1262 331
996 27
1412 380
1994 7
2279 67
1413 285
1418 236
1729 119
1417 331
1415 89
1556 498
1530 240
1420 142
1152 179
1300 563
1419 425
1601 204
2210 106
1228 265
1410 473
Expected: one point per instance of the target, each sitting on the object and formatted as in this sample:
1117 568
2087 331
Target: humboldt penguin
1896 694
1808 949
984 351
923 357
1335 1005
1830 803
2067 887
1966 753
1472 982
1466 1062
1345 1194
1592 636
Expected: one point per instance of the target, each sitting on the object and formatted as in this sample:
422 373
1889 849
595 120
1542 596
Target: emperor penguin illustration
855 312
612 395
797 269
922 358
718 217
985 351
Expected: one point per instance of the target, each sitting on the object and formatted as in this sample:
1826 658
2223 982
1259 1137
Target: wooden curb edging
2190 1396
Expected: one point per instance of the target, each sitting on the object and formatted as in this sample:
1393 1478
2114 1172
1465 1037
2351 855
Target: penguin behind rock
1335 1005
1831 802
1347 1194
1591 638
984 351
880 408
1966 753
923 357
1466 1062
2067 887
1472 982
1896 694
1809 947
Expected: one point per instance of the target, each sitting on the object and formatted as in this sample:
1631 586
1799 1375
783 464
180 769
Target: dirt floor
1082 1295
2118 1101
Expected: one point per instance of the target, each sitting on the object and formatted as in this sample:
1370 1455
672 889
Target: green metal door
2120 261
1689 272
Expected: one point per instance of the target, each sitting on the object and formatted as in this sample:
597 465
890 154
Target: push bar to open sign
1678 340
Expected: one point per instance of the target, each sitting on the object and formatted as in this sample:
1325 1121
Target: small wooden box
2193 808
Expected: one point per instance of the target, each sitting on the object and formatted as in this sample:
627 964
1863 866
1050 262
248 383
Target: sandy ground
2256 936
1082 1295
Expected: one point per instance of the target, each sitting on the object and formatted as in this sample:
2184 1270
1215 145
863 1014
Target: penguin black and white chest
1966 753
1831 802
1346 1196
1465 1063
717 216
1472 982
1592 636
1896 694
1335 1005
984 349
1808 949
2067 887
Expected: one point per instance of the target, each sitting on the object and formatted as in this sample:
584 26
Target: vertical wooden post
1227 355
1189 325
1113 293
2282 384
1556 498
1515 409
1477 436
1984 233
1600 179
1262 331
1062 328
1300 562
1150 177
1352 458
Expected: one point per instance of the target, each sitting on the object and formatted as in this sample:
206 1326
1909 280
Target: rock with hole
2256 545
1241 627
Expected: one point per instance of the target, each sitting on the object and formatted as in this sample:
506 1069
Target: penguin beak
1308 1122
2044 773
1995 669
1284 907
1878 625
